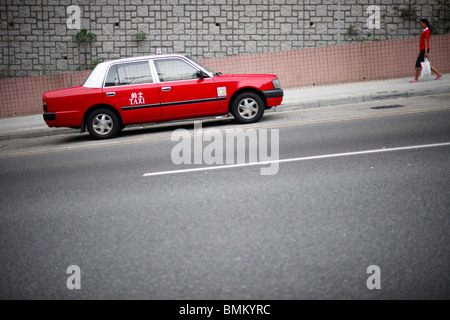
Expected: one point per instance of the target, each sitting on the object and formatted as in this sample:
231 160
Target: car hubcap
102 124
248 108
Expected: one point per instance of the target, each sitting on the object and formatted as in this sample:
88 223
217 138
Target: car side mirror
201 74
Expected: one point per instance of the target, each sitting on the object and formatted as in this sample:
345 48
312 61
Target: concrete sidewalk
298 98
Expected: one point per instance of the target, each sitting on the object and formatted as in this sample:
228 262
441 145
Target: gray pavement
310 231
295 98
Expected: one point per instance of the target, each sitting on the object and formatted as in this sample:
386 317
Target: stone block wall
37 37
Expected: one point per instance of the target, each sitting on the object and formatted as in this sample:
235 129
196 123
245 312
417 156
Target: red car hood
268 76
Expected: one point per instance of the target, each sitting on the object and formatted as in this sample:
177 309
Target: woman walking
424 50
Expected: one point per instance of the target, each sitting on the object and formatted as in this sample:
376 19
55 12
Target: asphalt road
310 230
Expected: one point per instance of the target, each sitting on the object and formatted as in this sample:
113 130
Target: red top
425 34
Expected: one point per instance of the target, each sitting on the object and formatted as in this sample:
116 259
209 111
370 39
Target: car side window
129 74
174 70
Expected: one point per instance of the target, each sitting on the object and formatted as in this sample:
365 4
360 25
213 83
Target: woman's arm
425 40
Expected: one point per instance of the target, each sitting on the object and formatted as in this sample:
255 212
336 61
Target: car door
183 93
131 88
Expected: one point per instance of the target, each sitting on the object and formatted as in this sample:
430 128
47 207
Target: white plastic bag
426 69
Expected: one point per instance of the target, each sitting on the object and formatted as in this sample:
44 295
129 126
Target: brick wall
23 95
339 64
38 37
295 68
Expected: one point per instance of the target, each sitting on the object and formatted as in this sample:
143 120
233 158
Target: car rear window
129 74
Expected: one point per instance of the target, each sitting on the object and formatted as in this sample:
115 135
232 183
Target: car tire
247 107
103 124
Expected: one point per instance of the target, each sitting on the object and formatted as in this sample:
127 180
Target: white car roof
95 79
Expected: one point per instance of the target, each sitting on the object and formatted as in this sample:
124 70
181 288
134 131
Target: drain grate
392 106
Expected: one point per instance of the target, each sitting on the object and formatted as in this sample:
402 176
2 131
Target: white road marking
335 155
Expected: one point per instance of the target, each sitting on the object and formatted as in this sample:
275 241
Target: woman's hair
427 23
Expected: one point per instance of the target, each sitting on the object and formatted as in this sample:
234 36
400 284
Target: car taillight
44 103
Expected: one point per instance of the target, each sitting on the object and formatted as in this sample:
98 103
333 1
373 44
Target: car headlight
276 83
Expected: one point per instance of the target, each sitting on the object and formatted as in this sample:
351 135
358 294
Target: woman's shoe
413 80
439 76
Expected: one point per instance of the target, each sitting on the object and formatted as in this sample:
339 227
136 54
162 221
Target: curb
284 107
37 134
360 99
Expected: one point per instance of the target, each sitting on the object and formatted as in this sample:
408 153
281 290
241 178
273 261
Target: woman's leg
437 72
420 59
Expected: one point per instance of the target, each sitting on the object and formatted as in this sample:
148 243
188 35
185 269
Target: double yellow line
293 124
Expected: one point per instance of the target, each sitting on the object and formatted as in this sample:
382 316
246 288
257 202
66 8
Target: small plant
439 27
6 75
351 31
409 13
440 24
385 26
140 36
84 37
370 37
94 64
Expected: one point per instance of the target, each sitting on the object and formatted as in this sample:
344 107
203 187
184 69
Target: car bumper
49 116
63 119
273 97
50 119
275 93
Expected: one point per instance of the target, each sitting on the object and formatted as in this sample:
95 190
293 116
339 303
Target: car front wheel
247 107
103 124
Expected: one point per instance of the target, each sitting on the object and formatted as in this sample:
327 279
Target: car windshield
202 65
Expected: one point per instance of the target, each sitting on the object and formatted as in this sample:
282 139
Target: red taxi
157 88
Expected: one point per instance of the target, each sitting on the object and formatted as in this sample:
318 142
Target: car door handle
166 88
110 94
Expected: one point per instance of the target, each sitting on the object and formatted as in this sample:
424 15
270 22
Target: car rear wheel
103 124
247 107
